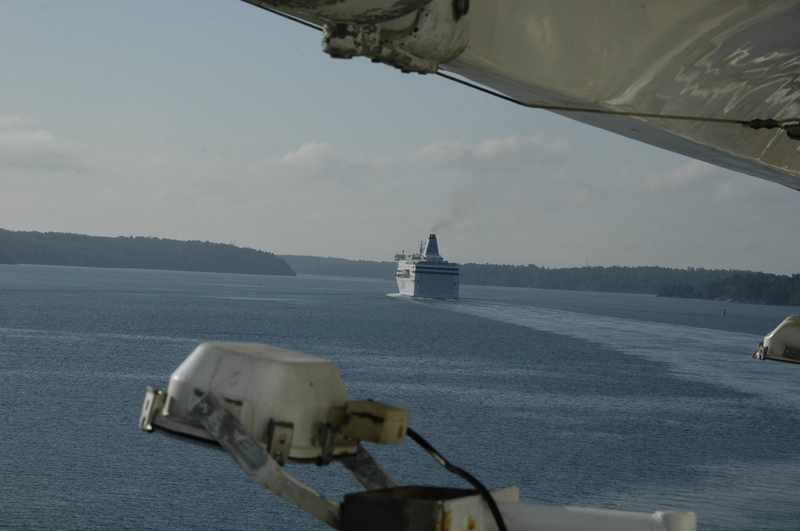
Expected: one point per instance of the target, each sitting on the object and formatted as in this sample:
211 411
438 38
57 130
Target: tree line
617 279
653 280
340 267
54 248
746 286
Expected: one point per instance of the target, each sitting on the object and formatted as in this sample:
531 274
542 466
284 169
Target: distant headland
54 248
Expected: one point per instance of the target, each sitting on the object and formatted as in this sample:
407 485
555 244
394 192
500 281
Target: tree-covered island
54 248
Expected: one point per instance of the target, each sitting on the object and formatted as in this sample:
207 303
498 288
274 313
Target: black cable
593 111
791 126
501 525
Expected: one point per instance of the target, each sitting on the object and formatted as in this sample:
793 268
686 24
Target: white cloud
23 147
527 148
509 150
14 122
680 177
440 153
317 161
311 158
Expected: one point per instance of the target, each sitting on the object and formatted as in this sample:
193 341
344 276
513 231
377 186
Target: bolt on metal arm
367 471
258 464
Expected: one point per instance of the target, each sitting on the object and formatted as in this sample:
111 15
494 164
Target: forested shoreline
747 286
54 248
616 279
720 284
339 267
712 284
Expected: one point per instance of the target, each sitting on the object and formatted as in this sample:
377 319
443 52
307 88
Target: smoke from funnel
461 208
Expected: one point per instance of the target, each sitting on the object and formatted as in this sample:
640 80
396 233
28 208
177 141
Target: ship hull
428 281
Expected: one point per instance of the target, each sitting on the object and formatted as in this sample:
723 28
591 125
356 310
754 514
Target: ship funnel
431 251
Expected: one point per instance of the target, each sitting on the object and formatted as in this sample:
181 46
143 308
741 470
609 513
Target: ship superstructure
426 273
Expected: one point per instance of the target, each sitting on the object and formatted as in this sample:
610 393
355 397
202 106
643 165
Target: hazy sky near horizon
218 121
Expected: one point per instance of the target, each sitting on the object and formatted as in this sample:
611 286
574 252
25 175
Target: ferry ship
426 273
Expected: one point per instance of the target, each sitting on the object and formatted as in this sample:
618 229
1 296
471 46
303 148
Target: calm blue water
590 399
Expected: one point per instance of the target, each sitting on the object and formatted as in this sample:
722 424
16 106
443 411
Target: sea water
619 401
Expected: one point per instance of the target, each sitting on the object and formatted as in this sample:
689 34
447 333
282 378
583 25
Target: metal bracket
279 440
258 464
367 471
761 352
153 402
789 354
326 438
345 41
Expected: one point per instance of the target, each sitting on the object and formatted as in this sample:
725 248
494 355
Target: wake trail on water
708 355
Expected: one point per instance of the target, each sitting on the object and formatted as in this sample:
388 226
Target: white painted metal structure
246 377
266 405
783 343
426 273
702 59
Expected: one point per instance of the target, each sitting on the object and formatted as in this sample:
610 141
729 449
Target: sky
217 121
